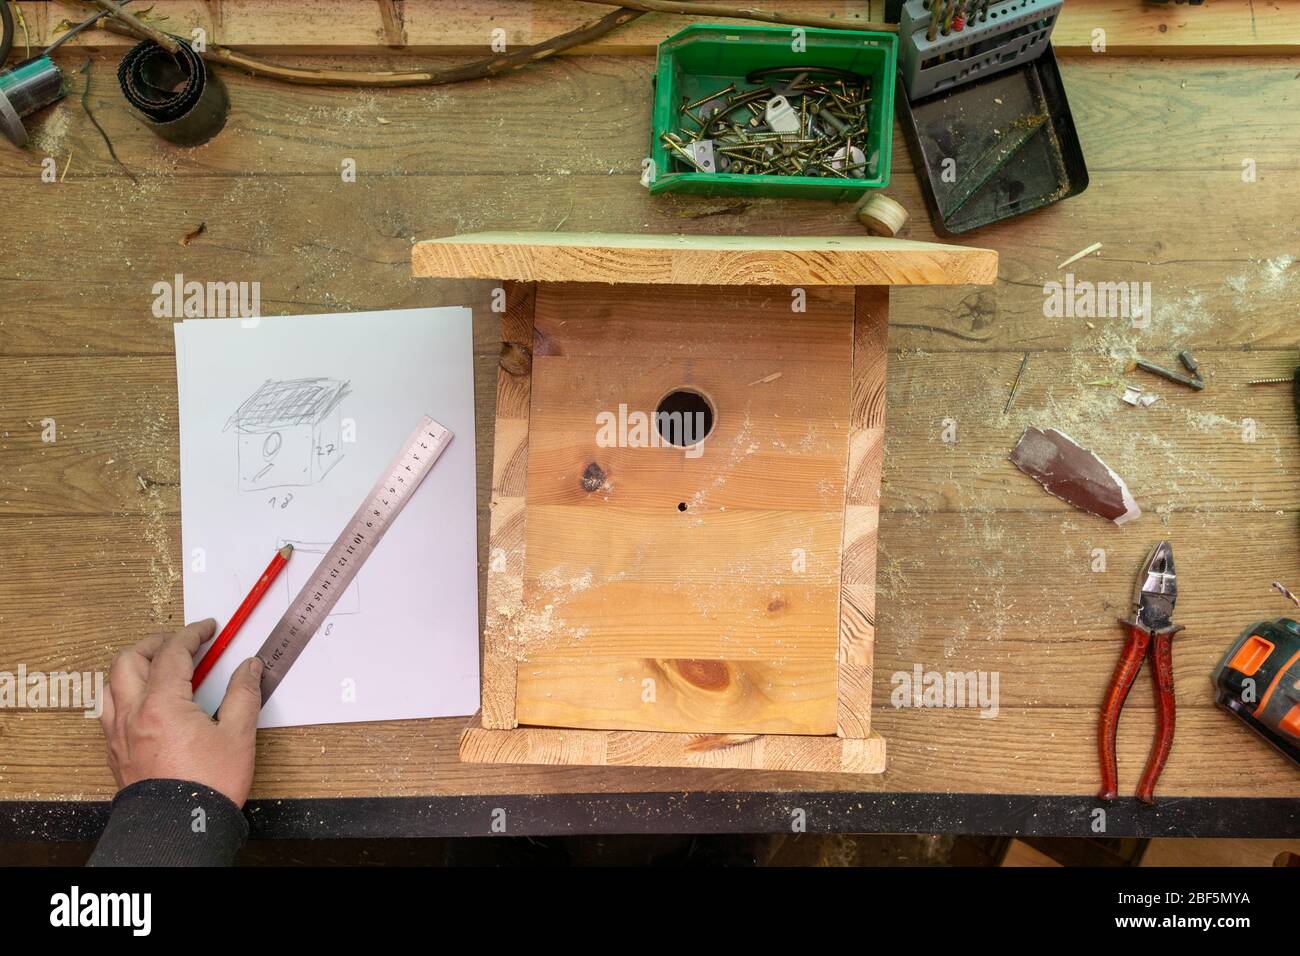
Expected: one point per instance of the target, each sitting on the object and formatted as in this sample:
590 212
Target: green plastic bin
702 59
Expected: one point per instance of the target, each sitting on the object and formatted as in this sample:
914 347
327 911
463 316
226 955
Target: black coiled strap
174 93
6 32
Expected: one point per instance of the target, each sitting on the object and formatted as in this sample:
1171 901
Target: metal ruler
318 596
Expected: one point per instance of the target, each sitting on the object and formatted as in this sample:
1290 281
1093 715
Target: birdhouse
685 492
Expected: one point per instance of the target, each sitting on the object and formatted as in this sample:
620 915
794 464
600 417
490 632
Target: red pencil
241 615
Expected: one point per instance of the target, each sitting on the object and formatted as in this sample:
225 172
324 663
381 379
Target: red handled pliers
1151 627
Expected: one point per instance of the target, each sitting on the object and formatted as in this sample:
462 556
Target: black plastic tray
964 124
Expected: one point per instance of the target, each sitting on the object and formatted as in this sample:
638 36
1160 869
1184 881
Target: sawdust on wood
1154 449
537 623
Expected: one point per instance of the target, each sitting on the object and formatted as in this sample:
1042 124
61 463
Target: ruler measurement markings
305 615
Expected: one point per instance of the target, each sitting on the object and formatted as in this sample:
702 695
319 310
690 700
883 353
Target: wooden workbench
979 569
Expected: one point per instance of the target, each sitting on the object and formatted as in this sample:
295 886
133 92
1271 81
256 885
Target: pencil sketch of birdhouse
289 432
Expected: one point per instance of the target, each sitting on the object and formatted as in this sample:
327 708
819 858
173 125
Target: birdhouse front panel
658 598
687 454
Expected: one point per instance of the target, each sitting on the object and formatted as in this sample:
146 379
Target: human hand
155 730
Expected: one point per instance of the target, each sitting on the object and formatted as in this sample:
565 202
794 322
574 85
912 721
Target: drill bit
1015 386
1194 380
1282 588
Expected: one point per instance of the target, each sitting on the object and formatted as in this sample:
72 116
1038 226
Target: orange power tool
1258 682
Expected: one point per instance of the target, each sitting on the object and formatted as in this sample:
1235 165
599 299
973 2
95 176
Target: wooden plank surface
1227 27
439 27
702 260
689 590
505 571
415 174
978 569
613 748
271 27
857 635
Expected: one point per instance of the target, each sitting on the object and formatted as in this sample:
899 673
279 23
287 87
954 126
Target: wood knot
543 344
706 675
515 359
594 478
777 604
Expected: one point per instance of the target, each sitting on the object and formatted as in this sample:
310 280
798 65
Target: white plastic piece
857 159
1132 394
780 115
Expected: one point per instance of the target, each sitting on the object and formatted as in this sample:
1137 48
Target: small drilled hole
681 506
683 418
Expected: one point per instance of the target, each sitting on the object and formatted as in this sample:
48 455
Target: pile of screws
810 126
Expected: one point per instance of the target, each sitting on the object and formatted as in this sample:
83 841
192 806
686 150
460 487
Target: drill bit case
990 36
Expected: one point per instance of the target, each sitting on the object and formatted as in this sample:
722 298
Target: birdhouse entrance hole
684 417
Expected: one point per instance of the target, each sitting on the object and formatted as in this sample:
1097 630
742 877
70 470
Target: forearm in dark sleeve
170 823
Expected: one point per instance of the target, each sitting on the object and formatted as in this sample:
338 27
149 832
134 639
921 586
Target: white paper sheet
286 423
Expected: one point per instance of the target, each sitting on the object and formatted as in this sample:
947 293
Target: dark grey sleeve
170 823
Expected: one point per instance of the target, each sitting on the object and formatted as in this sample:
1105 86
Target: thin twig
479 69
748 13
162 39
71 30
22 22
1080 254
491 66
85 105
